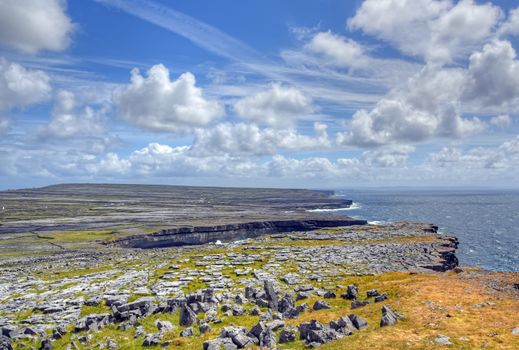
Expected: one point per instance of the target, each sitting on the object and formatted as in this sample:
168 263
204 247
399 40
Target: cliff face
231 232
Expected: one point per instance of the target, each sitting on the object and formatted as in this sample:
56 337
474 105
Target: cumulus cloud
493 76
157 103
511 25
277 106
249 139
437 30
342 51
20 87
33 25
69 119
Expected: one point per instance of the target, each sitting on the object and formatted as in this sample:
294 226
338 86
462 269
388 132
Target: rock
240 299
389 317
58 332
163 326
250 293
204 328
515 330
188 332
271 295
290 279
241 340
255 311
315 332
302 295
46 344
303 307
151 340
187 316
442 340
329 295
372 293
358 321
288 335
268 340
321 305
238 310
356 304
352 292
5 343
381 298
258 329
139 332
343 325
276 324
286 303
219 344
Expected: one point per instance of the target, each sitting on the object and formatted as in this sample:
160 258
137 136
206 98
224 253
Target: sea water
486 222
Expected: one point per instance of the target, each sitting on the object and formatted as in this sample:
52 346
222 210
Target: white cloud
278 106
69 119
342 51
493 76
437 30
249 139
501 121
20 87
389 156
33 25
511 25
157 103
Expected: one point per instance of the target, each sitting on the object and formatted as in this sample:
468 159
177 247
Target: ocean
486 222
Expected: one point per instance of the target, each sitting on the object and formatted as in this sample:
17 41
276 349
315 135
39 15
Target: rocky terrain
296 284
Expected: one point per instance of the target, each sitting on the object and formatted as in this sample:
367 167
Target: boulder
389 317
381 298
163 326
5 343
372 293
358 321
321 305
286 303
352 292
329 295
151 340
288 335
356 304
271 295
204 328
188 332
187 316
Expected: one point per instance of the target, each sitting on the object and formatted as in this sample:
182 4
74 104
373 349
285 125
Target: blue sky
259 93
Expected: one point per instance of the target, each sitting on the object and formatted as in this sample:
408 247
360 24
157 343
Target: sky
318 94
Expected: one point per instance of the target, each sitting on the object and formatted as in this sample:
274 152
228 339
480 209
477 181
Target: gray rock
381 298
204 328
241 340
286 303
258 329
238 310
163 326
276 324
5 343
288 335
271 295
302 295
372 293
188 332
442 340
255 311
303 307
46 344
358 321
352 292
219 344
151 340
389 317
329 295
321 305
187 316
356 304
